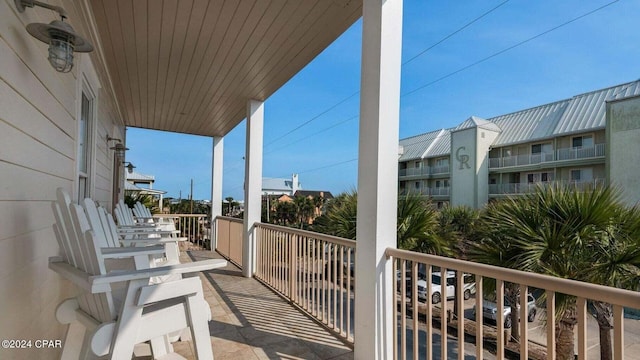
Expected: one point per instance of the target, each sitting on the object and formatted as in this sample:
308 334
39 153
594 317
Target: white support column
216 187
252 184
377 177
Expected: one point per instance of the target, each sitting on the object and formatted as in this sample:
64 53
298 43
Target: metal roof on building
587 111
415 147
134 176
530 124
475 121
441 146
580 113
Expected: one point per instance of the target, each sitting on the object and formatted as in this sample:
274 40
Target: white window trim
592 134
87 83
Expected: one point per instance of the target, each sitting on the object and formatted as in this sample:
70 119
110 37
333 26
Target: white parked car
490 310
436 279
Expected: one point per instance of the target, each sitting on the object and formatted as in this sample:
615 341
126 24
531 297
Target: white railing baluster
500 319
581 307
618 332
403 308
551 324
414 307
524 328
479 318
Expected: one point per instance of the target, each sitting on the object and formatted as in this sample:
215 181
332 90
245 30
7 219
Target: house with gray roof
281 186
587 140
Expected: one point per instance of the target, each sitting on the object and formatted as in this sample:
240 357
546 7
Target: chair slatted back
62 237
142 212
74 231
67 230
98 221
127 214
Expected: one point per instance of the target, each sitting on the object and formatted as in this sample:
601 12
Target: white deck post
252 183
377 177
216 187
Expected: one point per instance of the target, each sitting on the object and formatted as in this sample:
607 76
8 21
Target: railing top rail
311 234
229 218
570 287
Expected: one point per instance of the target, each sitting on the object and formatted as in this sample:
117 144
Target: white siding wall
38 129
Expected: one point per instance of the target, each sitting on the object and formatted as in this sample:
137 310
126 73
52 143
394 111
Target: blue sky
593 52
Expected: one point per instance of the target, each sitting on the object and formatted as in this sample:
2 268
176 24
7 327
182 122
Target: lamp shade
59 30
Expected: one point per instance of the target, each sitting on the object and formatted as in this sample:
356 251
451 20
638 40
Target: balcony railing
438 191
312 270
559 155
229 238
195 227
524 280
523 188
316 272
425 170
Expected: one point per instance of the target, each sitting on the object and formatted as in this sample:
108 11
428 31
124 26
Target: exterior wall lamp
119 150
129 167
60 36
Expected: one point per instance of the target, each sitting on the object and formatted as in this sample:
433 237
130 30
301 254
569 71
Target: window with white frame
442 162
581 175
539 177
417 164
583 141
417 185
85 130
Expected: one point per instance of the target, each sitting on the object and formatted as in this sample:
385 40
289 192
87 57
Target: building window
442 162
85 130
538 177
417 185
536 148
437 183
579 142
446 183
417 164
576 175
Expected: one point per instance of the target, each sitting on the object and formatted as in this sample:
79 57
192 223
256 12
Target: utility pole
191 196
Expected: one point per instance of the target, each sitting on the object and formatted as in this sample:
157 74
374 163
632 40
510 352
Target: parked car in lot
490 310
408 281
469 287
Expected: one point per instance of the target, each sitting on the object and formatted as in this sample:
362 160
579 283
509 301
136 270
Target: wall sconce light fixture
129 167
119 149
60 36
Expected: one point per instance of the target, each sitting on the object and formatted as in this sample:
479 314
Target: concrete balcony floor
250 321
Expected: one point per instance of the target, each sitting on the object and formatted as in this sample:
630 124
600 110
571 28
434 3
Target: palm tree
564 233
416 224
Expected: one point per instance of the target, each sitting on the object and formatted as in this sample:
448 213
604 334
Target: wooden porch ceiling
190 66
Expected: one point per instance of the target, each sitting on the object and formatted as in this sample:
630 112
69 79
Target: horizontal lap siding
38 129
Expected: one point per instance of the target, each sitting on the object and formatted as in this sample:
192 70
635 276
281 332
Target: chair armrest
127 243
146 231
102 283
137 226
124 252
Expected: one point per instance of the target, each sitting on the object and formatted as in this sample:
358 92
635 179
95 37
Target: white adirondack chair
132 233
102 324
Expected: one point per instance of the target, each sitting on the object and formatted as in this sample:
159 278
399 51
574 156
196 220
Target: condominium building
589 139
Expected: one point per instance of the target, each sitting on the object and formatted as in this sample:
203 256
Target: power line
315 117
453 33
314 134
406 62
327 166
507 49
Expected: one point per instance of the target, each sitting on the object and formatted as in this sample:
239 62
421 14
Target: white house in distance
143 184
278 186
